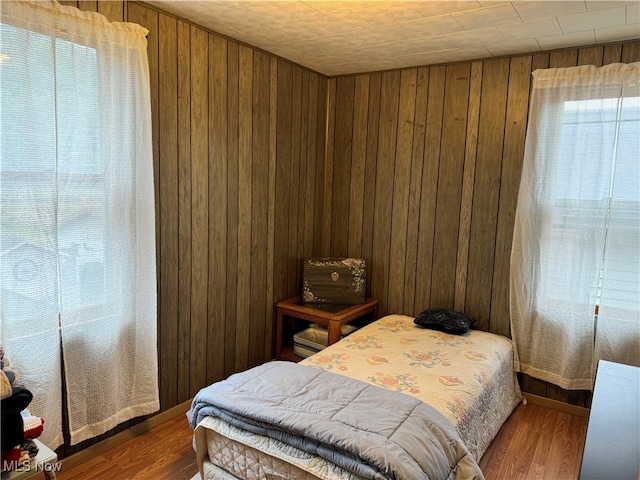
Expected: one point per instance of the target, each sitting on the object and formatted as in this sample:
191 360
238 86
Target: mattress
468 378
257 457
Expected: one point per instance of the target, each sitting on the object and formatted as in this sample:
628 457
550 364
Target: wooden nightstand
331 315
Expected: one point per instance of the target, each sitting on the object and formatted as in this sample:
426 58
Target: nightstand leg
333 332
279 335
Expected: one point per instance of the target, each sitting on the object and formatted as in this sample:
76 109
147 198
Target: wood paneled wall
426 166
259 163
239 140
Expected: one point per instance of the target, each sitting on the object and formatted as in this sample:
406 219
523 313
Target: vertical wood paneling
304 195
169 208
283 149
631 52
245 198
113 10
563 58
322 144
259 208
345 90
358 163
200 204
540 61
512 155
233 193
429 187
484 214
327 172
415 190
382 212
311 156
89 6
401 184
591 56
240 162
294 263
271 224
466 203
612 54
149 18
370 171
449 191
459 233
217 315
185 259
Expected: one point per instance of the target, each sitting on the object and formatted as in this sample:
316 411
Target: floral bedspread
469 378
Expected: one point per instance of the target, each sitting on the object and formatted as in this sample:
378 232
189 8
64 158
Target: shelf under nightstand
331 315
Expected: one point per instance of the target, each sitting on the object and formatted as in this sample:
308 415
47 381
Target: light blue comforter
370 431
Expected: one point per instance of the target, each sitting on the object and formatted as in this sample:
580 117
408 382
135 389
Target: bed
468 380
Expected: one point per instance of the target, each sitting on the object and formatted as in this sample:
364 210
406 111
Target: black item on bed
443 320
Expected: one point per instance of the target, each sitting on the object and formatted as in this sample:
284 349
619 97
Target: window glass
53 194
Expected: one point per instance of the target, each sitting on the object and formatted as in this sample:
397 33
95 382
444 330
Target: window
77 222
575 269
590 186
81 205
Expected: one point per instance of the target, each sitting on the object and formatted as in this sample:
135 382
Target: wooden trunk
334 280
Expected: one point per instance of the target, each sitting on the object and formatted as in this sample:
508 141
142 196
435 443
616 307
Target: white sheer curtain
77 216
575 264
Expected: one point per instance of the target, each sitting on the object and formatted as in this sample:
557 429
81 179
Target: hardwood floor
536 442
163 453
